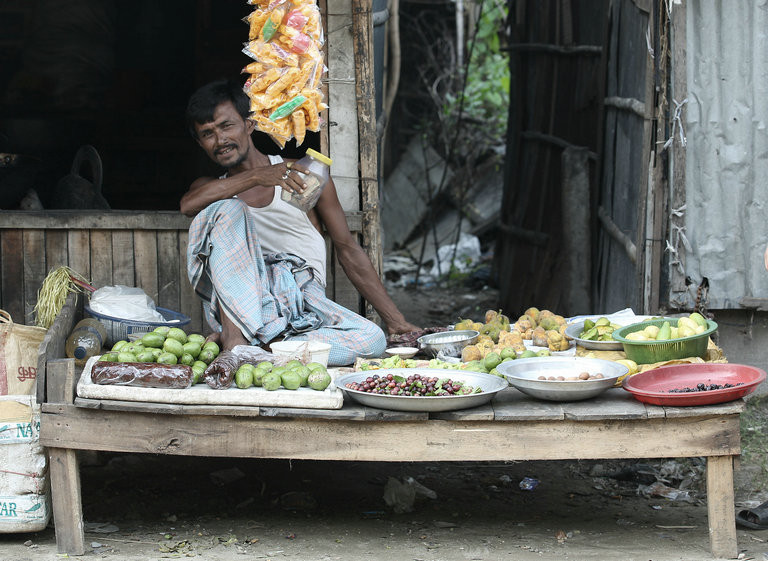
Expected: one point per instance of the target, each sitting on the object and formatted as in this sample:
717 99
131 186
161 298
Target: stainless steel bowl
574 330
447 343
489 384
523 374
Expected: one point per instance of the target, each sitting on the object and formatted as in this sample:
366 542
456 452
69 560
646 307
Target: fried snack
307 70
299 125
313 116
255 68
272 23
256 21
285 39
262 101
277 87
259 82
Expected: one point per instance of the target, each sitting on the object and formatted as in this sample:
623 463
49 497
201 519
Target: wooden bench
511 427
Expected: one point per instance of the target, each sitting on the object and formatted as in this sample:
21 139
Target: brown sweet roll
221 372
142 374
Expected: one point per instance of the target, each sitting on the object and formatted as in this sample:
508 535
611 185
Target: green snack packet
287 108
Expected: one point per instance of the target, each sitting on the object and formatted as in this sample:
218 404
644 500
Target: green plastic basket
648 352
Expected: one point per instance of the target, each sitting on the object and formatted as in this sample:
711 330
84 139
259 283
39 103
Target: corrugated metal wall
724 113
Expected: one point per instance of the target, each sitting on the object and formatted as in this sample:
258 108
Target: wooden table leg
720 507
67 502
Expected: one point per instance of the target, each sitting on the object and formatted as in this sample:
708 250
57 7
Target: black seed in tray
704 388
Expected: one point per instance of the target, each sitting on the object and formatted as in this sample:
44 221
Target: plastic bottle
318 173
86 340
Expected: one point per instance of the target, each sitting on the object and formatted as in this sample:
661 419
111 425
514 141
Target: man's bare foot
231 336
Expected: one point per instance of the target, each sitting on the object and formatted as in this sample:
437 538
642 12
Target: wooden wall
555 100
133 248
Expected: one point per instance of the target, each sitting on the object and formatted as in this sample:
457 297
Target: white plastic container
318 172
305 351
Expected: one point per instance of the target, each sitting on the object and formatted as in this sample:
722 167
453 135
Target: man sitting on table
258 262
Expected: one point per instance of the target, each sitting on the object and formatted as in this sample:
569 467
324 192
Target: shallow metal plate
574 329
447 343
523 374
489 383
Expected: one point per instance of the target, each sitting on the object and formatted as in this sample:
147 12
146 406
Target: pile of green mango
599 330
166 345
291 376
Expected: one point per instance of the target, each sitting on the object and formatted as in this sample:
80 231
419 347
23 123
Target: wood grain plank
56 250
434 440
79 252
34 272
730 408
166 408
101 257
189 302
67 501
168 258
145 258
481 413
123 264
352 413
53 345
12 272
96 220
614 403
513 405
720 497
114 219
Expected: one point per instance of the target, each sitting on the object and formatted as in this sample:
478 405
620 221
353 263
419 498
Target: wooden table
511 427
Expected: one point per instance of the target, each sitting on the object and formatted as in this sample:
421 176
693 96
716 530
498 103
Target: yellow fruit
637 336
651 332
631 367
470 353
463 324
687 322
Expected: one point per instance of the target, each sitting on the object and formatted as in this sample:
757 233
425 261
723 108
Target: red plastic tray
652 386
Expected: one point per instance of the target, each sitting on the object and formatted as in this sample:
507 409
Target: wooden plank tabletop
508 405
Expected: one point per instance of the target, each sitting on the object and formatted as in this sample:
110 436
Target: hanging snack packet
285 39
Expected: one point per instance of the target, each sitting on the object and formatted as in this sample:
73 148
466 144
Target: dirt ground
147 507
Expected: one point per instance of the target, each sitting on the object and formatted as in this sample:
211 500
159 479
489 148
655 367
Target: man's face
226 139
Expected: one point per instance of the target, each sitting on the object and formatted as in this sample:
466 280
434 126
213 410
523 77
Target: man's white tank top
285 228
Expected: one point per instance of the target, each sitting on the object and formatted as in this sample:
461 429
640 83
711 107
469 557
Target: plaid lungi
268 295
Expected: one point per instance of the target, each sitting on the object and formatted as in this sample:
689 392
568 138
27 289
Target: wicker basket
649 352
119 328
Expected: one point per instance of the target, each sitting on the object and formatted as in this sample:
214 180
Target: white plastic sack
467 255
125 302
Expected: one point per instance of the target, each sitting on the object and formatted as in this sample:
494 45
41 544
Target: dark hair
204 101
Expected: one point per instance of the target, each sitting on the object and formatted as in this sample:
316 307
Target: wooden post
65 475
576 230
722 521
362 31
53 343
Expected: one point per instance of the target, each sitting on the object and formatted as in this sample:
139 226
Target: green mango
244 376
665 332
153 340
698 318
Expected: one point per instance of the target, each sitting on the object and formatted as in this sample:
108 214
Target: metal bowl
447 343
574 330
523 374
489 384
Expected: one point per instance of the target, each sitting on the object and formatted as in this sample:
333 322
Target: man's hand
402 327
290 180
